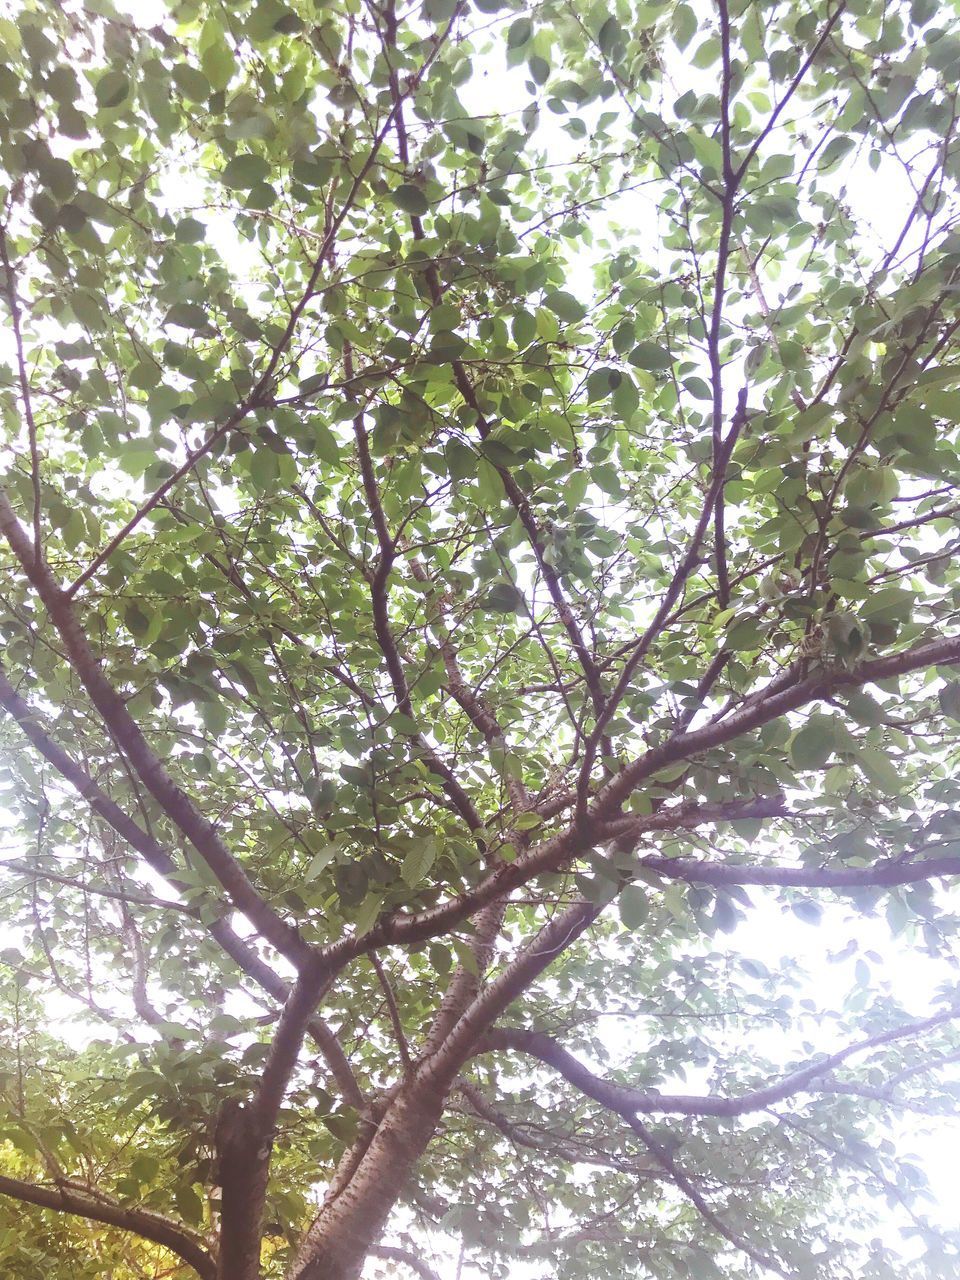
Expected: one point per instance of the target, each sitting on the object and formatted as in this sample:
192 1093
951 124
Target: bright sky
771 932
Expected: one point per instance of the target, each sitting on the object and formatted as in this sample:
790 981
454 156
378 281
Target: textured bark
352 1219
142 1222
243 1170
357 1210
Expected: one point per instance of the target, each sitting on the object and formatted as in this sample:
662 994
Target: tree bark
243 1171
152 1226
353 1218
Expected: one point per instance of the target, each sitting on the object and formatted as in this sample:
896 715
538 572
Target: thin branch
690 560
13 302
886 874
770 706
696 1199
98 891
261 389
465 385
379 599
395 1021
393 1253
791 89
728 205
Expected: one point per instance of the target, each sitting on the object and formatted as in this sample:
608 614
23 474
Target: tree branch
160 860
174 802
881 875
379 598
696 1199
246 1137
393 1253
14 303
263 384
151 1226
465 385
551 854
770 706
623 1099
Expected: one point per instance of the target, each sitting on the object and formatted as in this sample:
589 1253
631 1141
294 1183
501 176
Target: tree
480 514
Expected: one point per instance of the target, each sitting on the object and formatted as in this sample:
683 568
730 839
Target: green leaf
366 917
190 231
745 634
524 329
439 10
611 38
191 82
547 326
807 911
602 383
188 315
634 906
519 33
218 63
245 171
564 305
539 69
419 859
504 597
949 699
410 199
189 1204
112 88
649 355
684 25
880 770
815 743
320 861
835 150
342 1125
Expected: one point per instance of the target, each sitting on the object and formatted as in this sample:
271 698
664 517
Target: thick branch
142 1222
160 860
536 956
767 707
555 852
246 1137
622 1099
174 802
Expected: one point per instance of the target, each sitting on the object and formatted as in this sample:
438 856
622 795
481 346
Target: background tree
480 511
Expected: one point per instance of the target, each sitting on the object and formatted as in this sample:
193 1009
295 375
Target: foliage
479 528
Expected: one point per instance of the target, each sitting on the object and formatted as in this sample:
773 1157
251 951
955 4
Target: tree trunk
243 1171
352 1220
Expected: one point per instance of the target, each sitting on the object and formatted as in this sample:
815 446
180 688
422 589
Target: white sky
771 931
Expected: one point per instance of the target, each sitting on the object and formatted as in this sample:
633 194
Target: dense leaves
479 534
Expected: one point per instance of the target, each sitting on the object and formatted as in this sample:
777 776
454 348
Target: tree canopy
479 527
